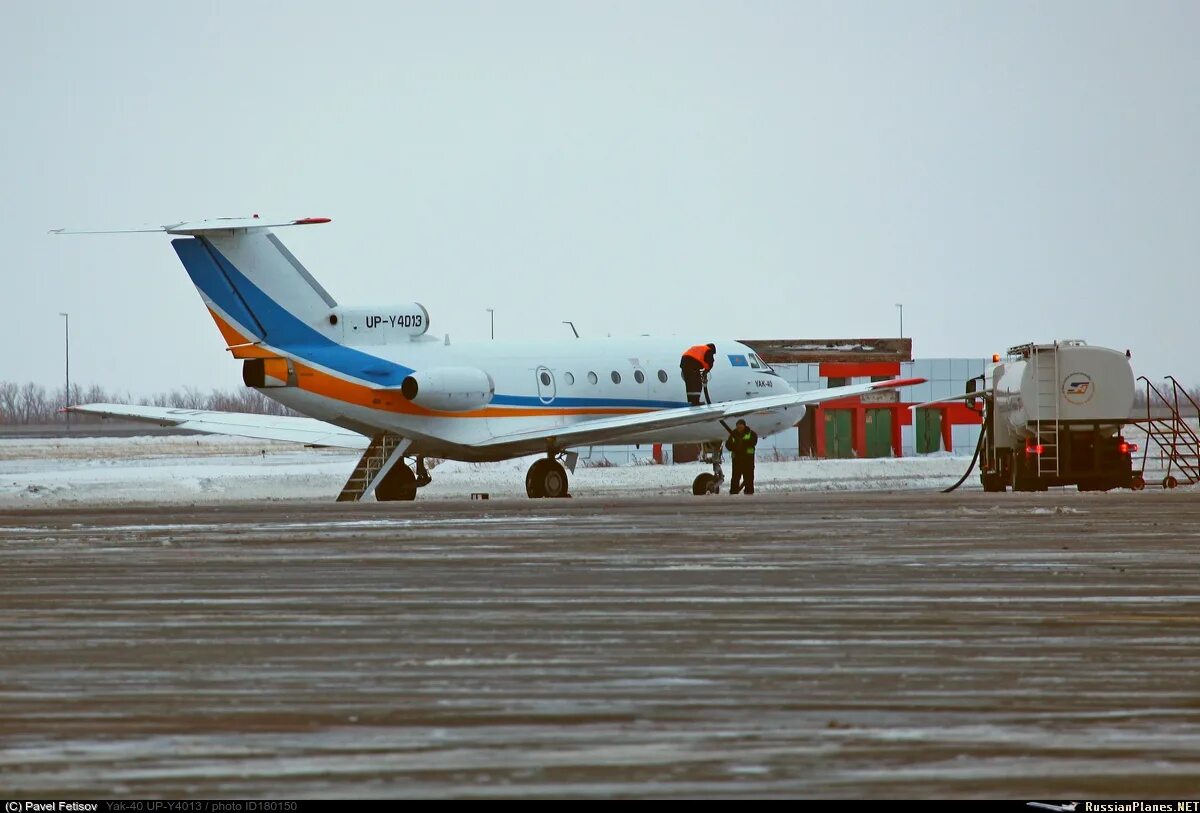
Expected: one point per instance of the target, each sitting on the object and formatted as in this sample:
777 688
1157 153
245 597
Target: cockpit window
758 364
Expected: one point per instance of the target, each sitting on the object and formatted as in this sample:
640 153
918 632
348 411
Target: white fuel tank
380 325
1065 381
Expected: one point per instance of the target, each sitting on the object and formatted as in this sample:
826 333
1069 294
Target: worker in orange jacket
695 365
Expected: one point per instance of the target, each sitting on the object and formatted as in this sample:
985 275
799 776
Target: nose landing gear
710 483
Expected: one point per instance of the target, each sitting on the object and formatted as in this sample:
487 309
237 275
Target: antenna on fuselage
573 330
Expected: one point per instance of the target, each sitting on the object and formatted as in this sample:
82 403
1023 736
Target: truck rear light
1126 448
1033 448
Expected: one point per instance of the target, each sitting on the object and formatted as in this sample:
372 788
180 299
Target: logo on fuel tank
1078 388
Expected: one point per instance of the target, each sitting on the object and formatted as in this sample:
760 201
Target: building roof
814 351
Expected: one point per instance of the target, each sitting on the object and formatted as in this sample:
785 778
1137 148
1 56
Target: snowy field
192 469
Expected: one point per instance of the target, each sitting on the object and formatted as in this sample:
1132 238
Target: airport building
881 424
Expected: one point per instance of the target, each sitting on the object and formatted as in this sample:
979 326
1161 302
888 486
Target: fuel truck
1053 415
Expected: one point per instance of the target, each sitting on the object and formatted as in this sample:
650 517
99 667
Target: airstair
1169 431
370 465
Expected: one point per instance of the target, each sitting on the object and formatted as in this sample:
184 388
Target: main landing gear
401 483
710 483
548 478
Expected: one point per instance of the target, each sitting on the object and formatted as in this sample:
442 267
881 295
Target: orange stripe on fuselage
321 383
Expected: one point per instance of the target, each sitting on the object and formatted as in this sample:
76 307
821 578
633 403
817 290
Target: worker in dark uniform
695 365
741 443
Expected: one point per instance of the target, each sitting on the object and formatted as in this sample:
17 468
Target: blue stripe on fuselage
534 401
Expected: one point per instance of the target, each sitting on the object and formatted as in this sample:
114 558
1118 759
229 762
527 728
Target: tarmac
868 644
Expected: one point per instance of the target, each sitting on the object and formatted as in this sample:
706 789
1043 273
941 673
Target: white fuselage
540 386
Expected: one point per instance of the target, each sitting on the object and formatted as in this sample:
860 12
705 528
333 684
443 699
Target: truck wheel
704 484
1023 480
1137 483
992 482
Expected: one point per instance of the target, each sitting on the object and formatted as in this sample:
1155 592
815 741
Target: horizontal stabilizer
221 224
309 431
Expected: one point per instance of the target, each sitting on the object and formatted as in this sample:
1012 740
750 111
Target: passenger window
662 376
616 377
639 376
545 379
569 378
592 378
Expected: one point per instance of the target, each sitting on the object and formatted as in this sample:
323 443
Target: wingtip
897 382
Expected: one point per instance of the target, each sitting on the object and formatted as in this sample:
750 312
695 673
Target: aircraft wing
624 427
966 396
309 431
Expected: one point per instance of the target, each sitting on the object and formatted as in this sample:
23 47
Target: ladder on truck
1177 440
1046 415
369 465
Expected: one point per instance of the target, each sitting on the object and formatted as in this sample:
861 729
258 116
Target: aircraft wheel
705 484
1169 481
554 480
533 478
399 484
546 478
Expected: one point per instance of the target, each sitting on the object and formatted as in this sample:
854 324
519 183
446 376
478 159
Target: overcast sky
1009 171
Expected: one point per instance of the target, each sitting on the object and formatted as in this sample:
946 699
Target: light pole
492 314
67 354
901 307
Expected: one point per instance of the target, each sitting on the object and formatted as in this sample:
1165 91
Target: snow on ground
190 469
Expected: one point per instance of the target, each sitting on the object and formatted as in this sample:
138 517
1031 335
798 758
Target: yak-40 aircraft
373 378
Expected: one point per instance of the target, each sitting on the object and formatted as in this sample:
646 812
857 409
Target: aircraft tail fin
256 290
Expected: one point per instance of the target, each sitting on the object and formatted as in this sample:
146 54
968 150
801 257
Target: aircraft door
546 385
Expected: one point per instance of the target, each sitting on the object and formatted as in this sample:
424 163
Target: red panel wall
853 369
